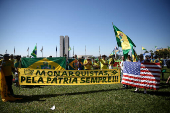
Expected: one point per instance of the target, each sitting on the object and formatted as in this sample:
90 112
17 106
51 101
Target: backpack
168 63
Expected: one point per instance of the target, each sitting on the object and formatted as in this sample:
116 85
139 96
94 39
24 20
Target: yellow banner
68 77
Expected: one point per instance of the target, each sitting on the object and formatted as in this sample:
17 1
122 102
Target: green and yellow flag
69 48
134 55
58 63
34 52
123 41
143 48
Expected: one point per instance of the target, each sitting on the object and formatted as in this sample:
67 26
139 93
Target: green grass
88 98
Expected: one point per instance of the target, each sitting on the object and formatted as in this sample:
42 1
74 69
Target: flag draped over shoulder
142 75
34 52
123 41
44 63
5 94
143 48
134 55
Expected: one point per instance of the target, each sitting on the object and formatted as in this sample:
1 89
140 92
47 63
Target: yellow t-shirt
7 67
96 65
102 64
110 60
88 66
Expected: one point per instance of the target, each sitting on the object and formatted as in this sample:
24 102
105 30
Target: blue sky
23 23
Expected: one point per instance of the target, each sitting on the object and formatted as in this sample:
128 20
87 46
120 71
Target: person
141 61
8 66
103 62
147 59
168 66
152 59
121 67
17 65
87 64
129 59
80 67
111 62
76 62
96 64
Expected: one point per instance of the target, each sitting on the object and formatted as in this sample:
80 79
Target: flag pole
28 53
42 51
85 49
99 50
73 50
36 48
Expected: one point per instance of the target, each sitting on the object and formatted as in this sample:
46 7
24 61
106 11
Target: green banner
58 63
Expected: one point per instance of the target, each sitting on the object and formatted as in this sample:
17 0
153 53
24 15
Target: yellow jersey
102 64
7 67
97 65
110 61
88 66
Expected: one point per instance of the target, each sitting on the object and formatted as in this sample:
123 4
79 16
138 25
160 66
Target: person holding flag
111 62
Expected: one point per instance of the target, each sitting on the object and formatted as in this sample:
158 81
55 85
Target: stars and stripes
145 75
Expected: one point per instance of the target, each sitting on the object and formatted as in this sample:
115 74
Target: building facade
64 46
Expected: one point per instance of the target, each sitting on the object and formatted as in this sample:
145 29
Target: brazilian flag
34 52
134 55
123 41
72 63
57 63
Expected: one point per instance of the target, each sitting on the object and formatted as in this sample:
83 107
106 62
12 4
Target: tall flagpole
28 52
73 50
36 48
56 51
141 49
99 50
42 51
14 50
85 49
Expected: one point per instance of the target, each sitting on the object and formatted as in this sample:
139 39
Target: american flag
142 75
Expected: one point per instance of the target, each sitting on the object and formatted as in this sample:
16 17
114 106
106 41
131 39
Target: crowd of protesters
91 63
10 66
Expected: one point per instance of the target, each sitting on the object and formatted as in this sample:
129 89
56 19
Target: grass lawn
88 98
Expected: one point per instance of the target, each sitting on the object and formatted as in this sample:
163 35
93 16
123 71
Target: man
147 59
96 64
111 62
76 63
87 64
8 66
103 62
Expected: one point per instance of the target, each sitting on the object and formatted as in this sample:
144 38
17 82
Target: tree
146 51
156 52
166 52
151 51
161 53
